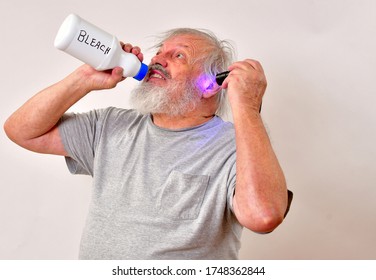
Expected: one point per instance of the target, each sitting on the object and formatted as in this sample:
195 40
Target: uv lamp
220 77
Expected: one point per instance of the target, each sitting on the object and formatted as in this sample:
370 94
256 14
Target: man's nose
159 59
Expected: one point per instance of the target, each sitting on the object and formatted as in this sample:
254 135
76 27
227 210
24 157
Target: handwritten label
85 38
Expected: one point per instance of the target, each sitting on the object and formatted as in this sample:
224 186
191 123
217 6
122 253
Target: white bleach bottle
96 47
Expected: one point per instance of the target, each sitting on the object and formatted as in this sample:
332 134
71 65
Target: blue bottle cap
142 72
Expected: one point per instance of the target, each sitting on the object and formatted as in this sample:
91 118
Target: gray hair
217 56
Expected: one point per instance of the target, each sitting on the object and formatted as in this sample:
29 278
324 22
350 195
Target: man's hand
98 80
246 85
135 50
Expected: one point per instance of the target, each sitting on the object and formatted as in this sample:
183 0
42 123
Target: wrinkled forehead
185 37
195 44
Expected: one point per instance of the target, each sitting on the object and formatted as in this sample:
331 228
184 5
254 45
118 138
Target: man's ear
211 90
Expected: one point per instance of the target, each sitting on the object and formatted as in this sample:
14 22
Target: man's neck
179 122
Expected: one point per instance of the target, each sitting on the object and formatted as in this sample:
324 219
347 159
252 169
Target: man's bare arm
260 199
33 125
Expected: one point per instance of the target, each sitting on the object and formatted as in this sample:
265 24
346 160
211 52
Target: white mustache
161 69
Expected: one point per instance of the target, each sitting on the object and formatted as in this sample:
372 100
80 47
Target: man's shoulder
120 112
225 126
118 120
115 114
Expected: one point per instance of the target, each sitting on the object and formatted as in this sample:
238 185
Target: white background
320 61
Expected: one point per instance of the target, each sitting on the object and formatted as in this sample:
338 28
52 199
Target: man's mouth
157 75
158 72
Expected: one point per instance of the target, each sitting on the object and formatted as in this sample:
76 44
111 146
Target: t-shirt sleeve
231 187
80 134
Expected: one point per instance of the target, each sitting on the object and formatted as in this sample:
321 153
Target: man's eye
180 55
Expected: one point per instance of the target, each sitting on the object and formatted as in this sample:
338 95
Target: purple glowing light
205 82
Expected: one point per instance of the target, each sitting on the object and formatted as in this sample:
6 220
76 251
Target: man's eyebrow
178 45
183 46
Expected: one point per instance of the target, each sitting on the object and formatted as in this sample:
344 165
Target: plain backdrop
320 61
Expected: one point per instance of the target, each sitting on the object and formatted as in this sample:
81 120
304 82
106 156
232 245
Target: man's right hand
92 79
98 80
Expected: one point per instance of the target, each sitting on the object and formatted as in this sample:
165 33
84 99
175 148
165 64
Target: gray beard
176 99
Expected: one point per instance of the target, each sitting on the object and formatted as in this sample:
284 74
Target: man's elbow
262 223
16 134
10 130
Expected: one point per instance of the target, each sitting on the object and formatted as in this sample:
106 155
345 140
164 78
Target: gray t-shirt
157 193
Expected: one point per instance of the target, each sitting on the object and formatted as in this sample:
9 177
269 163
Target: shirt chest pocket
182 195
